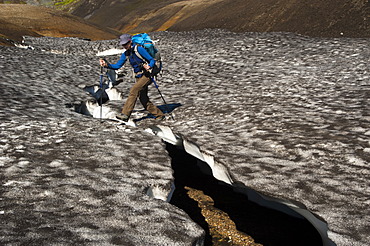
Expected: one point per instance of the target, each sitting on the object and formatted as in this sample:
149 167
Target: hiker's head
125 40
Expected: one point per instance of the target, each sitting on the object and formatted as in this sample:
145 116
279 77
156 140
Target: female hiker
141 68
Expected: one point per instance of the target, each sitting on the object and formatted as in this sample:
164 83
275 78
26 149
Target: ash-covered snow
70 179
287 115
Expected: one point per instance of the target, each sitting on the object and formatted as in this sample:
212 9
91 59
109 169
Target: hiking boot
122 117
160 118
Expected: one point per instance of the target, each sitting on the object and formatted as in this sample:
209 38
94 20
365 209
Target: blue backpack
146 42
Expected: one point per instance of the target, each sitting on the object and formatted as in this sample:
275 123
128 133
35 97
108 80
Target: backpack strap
135 50
153 71
137 53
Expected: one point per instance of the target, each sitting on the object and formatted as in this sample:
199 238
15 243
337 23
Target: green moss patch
64 2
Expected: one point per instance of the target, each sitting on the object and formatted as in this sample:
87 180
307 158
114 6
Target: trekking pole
101 94
156 86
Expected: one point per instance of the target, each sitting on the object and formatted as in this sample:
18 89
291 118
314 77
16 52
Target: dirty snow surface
282 114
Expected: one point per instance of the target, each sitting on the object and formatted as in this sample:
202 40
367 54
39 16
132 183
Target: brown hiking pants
140 90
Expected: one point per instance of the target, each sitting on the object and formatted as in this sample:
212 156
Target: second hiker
141 68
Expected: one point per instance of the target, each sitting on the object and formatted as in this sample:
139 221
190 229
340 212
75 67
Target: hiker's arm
146 56
119 64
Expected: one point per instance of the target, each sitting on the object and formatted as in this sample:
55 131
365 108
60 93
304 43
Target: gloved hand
146 67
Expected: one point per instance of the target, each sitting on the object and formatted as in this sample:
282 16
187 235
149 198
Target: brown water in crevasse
228 217
221 228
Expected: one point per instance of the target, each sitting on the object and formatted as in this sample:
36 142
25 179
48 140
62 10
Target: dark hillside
19 20
313 18
106 19
10 33
118 14
331 18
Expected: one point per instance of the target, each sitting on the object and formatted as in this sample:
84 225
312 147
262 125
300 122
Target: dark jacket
135 61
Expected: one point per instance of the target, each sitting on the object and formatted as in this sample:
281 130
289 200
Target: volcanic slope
332 18
19 20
